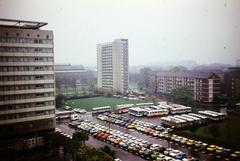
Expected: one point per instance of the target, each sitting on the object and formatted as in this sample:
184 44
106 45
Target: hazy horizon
158 30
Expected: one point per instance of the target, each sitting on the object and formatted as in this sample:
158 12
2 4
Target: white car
117 159
74 117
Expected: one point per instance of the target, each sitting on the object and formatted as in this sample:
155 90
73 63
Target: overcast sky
206 31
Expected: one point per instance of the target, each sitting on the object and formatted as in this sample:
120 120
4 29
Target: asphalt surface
126 156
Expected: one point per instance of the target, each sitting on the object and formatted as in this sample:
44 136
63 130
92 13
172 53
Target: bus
63 114
173 121
180 110
212 115
103 109
196 119
144 104
136 111
123 108
159 112
199 116
189 120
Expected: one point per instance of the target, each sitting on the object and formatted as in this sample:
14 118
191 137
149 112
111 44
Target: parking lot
126 156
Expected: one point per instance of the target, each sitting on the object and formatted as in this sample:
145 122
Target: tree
87 153
182 95
108 150
80 137
143 81
76 147
60 100
179 68
56 140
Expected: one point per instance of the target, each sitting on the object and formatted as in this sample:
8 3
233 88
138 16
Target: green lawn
89 103
226 132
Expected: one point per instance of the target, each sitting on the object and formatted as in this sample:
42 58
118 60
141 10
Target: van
74 117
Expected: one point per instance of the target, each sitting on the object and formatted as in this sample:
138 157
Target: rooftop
69 67
188 74
21 24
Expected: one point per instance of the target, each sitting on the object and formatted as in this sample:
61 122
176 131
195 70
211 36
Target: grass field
224 133
89 103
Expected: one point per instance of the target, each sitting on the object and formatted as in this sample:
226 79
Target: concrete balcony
19 54
27 63
10 121
27 91
27 45
26 73
4 83
28 100
41 108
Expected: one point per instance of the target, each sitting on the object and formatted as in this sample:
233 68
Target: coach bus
63 114
159 112
136 111
215 116
103 109
123 108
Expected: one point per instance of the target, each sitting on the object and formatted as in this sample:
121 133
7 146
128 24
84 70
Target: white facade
112 65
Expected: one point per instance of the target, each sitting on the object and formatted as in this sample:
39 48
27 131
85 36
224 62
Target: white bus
199 116
63 114
136 111
173 121
144 104
159 112
212 115
196 119
123 108
184 118
155 107
103 109
180 110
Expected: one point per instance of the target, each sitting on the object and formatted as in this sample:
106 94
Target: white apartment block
112 65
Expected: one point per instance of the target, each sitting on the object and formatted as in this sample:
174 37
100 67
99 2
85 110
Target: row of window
26 50
26 68
25 40
26 105
25 96
26 59
23 78
26 87
27 114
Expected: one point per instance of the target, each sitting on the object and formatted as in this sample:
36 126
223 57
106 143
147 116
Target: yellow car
212 148
190 142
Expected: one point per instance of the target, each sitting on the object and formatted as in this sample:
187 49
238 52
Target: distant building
204 85
27 99
232 80
67 74
112 65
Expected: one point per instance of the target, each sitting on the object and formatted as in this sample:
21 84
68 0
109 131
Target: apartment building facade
204 85
232 79
112 65
27 88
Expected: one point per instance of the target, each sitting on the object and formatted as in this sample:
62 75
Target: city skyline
204 31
